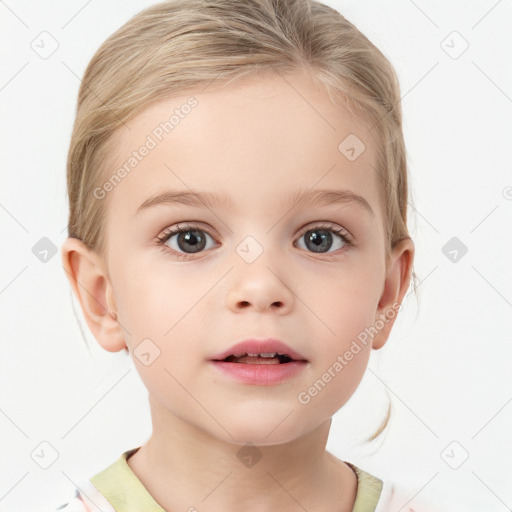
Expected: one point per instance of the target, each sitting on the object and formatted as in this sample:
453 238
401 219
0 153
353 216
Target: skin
256 141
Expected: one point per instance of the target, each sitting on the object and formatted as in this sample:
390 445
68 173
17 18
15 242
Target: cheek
336 382
344 297
150 297
161 314
345 304
167 305
346 313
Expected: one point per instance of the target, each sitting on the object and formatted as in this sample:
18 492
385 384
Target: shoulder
381 495
395 497
90 495
72 504
86 498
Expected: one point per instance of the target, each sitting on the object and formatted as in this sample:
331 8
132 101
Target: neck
183 467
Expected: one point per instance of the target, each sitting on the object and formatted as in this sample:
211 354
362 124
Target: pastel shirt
118 489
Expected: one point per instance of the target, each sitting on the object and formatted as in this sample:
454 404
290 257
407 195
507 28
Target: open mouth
260 366
262 358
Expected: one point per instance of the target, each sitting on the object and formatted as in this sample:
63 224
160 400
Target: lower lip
260 374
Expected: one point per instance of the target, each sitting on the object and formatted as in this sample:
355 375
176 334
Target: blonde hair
174 46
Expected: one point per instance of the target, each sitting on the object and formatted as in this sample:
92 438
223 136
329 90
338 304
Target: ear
398 277
91 286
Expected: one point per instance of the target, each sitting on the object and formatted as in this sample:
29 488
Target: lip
255 346
259 374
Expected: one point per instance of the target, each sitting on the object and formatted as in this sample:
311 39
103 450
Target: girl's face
258 263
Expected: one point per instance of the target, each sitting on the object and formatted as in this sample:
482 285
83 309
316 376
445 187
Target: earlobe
397 282
92 288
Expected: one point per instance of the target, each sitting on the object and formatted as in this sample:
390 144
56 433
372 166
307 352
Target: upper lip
255 346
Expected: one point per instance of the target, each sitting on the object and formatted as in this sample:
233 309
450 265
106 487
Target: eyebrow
322 197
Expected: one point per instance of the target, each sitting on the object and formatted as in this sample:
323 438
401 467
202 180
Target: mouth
255 351
259 363
262 358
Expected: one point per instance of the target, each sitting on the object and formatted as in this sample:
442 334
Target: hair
178 45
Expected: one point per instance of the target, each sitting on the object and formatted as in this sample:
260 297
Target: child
266 135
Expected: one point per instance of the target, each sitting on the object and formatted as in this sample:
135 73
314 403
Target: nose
259 287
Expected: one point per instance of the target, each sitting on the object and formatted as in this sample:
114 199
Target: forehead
254 140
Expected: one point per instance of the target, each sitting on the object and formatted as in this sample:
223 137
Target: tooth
262 354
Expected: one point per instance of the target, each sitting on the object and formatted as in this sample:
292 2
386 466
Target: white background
446 367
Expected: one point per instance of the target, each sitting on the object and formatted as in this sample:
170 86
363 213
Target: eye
319 239
183 240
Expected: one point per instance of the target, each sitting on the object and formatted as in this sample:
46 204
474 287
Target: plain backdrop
446 367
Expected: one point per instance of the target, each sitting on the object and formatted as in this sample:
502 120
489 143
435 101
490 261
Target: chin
262 433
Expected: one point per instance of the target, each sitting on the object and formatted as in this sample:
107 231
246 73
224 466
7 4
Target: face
260 264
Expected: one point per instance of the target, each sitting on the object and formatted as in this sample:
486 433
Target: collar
126 493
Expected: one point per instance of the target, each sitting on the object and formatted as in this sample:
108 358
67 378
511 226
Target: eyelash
179 228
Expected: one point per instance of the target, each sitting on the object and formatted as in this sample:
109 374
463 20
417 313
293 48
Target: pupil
319 242
192 237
